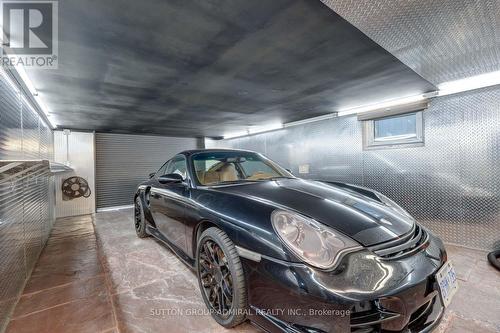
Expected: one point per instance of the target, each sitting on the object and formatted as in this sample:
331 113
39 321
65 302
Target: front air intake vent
403 246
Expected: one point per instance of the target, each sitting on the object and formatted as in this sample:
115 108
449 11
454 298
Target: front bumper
366 293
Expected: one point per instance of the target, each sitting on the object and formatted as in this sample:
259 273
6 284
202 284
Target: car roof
194 151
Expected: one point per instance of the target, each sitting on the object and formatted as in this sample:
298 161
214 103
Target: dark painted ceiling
209 67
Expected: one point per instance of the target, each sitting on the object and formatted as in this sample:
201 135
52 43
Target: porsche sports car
294 255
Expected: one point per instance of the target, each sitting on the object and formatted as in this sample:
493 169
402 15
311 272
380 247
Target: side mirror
170 178
289 171
152 174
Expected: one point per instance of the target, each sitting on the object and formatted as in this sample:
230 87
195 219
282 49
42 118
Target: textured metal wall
440 40
78 152
123 161
10 121
26 193
451 184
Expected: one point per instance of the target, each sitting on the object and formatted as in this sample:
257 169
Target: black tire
494 259
228 272
139 219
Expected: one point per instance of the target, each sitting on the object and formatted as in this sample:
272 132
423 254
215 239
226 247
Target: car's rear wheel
139 219
221 278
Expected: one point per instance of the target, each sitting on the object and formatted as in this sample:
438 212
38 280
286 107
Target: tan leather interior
224 173
228 173
210 177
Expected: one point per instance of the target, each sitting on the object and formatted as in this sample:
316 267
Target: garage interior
307 83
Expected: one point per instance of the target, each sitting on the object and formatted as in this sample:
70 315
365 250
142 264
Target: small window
395 128
394 131
178 165
161 172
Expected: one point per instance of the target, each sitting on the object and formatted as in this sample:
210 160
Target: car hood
360 217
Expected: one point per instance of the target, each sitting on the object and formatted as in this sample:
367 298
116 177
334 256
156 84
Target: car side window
178 165
161 171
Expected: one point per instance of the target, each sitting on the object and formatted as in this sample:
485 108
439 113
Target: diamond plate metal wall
440 40
26 192
451 184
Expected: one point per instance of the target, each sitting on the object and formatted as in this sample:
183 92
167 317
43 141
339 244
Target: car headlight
311 241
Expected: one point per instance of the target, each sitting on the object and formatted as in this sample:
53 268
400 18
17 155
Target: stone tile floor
95 275
67 291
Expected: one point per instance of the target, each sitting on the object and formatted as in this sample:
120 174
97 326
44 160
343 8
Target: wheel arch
141 192
200 227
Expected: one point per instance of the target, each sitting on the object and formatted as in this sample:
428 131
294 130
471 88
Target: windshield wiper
279 177
269 179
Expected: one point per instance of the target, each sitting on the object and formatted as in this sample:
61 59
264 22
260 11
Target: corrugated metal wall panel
451 185
31 132
10 121
32 218
27 199
123 161
12 260
46 142
26 217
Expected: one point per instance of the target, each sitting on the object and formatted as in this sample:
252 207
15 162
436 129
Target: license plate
446 278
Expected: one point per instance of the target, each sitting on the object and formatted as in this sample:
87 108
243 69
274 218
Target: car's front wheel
139 219
221 278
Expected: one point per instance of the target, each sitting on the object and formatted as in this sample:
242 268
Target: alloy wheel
139 219
216 278
138 216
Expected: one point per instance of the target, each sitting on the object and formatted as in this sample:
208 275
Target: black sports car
292 255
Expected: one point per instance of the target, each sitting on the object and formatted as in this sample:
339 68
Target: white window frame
402 141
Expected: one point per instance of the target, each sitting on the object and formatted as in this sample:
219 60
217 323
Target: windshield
214 168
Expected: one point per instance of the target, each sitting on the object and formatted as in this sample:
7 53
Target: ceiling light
50 122
264 128
36 98
14 86
311 120
470 83
387 104
31 87
254 130
24 76
235 135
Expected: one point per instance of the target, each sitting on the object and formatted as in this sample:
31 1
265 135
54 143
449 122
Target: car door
167 202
